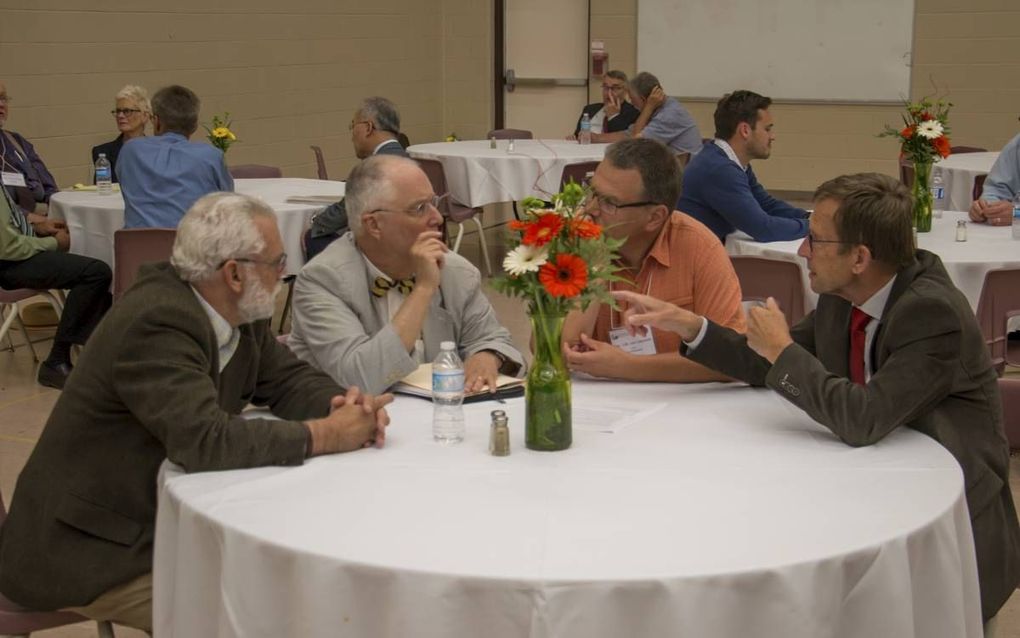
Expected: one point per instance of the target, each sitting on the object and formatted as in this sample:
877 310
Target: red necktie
858 322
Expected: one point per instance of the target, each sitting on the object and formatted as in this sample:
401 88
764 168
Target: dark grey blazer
147 387
333 220
932 373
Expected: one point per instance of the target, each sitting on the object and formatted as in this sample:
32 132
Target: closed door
546 51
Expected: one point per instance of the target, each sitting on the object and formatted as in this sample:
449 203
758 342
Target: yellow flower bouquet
219 133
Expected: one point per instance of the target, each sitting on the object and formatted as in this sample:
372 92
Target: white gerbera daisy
930 129
525 259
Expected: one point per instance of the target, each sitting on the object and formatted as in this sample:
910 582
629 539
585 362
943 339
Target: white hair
136 94
369 185
220 226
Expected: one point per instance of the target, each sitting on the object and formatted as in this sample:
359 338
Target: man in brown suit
892 342
165 376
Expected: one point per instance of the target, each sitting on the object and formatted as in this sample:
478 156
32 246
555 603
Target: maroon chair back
320 162
510 134
1000 300
580 172
254 171
763 278
907 172
133 247
1009 390
956 150
450 209
979 185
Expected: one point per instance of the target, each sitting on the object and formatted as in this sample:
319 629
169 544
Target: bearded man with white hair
165 376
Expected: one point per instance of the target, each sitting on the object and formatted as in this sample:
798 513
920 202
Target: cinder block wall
968 52
290 73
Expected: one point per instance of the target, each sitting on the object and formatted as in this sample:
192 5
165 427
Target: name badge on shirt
13 179
634 344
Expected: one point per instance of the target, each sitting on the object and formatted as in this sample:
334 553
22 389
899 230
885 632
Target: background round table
93 218
987 248
958 173
478 175
724 511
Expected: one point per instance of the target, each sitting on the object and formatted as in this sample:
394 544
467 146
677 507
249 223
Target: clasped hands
995 213
45 227
355 421
767 330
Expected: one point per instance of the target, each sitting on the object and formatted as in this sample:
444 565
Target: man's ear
231 273
863 259
657 217
371 226
745 130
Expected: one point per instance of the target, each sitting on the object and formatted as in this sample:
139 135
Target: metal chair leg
484 245
105 629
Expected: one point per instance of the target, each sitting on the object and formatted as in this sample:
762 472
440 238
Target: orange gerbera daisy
585 229
517 224
907 132
942 146
566 277
541 231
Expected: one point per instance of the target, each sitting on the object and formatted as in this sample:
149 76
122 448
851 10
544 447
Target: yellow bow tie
382 285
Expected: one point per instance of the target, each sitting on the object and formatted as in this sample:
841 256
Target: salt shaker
510 146
499 434
492 142
961 230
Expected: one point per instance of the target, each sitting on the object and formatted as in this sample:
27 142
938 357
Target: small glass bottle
961 230
492 142
510 146
499 434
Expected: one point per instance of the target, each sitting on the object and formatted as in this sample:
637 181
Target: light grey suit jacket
337 329
933 373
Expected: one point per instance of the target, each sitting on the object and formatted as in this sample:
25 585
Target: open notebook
419 384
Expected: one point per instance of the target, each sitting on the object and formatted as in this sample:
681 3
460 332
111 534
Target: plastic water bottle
448 395
1016 216
938 191
584 134
104 175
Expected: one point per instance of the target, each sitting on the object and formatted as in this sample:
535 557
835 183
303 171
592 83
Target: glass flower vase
922 196
547 389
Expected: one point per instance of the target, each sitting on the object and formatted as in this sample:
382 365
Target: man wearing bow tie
378 301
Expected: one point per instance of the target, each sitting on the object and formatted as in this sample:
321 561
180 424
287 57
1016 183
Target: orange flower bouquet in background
559 261
923 138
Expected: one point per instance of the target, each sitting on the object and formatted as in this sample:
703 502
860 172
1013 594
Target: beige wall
969 50
290 73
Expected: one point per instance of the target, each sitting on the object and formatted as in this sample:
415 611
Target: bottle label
938 192
447 382
102 174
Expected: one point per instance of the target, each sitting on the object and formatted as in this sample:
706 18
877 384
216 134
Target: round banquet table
987 248
958 173
93 218
722 511
478 175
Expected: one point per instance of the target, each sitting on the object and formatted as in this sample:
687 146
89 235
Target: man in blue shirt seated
661 118
162 176
995 206
720 189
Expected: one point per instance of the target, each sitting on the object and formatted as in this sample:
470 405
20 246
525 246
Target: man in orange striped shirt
667 255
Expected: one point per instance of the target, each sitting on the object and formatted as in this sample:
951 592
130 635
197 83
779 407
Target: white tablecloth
958 173
987 247
478 175
92 218
725 513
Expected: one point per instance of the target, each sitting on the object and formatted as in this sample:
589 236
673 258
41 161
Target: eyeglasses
280 263
418 210
607 207
811 241
5 99
125 112
350 127
614 87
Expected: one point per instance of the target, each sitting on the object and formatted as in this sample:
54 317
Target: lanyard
613 313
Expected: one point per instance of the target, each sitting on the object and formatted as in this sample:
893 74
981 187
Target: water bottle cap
447 345
102 155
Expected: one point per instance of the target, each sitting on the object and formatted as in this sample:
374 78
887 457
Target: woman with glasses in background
132 112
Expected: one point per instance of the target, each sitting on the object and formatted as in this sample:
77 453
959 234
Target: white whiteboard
853 50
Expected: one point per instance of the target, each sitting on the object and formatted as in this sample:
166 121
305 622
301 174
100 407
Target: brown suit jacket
146 388
932 373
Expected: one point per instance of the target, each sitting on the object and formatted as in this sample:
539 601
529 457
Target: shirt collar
376 151
875 304
730 153
227 336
